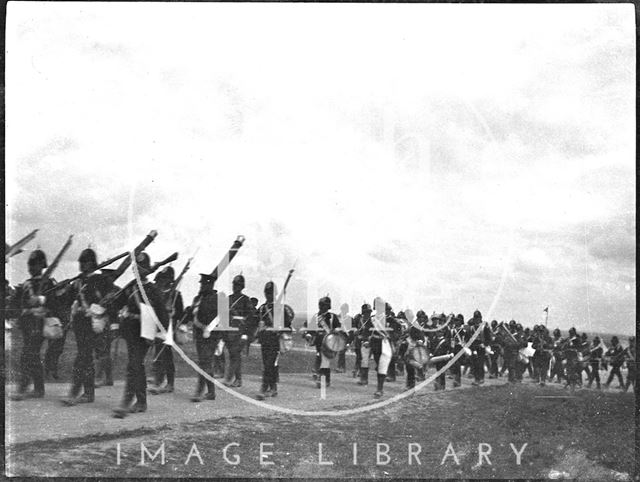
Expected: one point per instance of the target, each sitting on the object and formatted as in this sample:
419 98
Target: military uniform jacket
324 323
266 315
203 309
175 310
242 314
130 299
83 293
31 316
617 355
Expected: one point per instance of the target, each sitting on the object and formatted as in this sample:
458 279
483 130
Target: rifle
54 264
137 250
66 282
226 260
17 247
174 287
112 296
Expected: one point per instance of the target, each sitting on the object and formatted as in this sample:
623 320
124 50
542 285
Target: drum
52 329
332 344
417 357
286 342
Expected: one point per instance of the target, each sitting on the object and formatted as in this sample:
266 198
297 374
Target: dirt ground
585 435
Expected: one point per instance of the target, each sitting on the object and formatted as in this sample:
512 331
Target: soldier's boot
274 390
364 376
379 390
328 376
263 391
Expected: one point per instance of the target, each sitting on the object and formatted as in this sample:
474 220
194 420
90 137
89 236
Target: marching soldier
630 356
557 369
442 346
364 325
477 347
455 336
163 365
103 343
596 353
33 308
88 319
572 347
270 341
414 337
137 347
382 341
326 323
242 315
616 355
203 311
542 357
345 320
496 351
394 338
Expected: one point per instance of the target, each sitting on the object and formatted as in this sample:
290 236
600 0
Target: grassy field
589 436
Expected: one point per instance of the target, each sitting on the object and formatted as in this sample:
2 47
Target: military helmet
477 314
366 307
420 314
143 261
38 256
167 274
269 287
556 331
324 302
88 255
238 280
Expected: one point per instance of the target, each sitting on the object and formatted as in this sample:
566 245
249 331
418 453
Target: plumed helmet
238 280
324 302
494 323
572 331
556 331
143 261
421 314
88 256
38 257
477 314
366 308
460 317
512 323
614 340
401 315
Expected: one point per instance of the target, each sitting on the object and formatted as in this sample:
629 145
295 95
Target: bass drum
332 344
417 357
286 342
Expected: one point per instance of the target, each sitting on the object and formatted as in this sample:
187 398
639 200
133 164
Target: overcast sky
409 151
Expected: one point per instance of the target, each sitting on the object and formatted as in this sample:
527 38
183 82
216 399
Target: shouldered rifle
54 264
222 265
176 283
112 296
66 282
138 249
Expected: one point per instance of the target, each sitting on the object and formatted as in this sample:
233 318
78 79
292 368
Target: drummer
270 341
414 338
325 322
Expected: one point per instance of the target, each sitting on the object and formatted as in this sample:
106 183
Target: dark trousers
631 374
541 366
270 347
493 370
232 341
342 360
102 350
53 353
136 379
441 380
510 363
411 375
557 370
83 369
163 363
357 343
205 347
477 365
30 364
595 372
615 371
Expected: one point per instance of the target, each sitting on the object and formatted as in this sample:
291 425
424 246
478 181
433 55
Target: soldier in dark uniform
557 369
477 347
496 351
572 347
203 311
270 341
596 353
83 295
131 297
394 337
616 355
103 341
541 358
163 365
630 357
325 322
441 345
345 320
242 315
33 308
384 333
414 336
362 322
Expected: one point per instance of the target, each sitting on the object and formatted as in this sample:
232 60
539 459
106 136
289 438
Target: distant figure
345 320
596 352
630 355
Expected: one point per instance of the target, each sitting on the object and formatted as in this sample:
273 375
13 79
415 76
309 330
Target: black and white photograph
320 240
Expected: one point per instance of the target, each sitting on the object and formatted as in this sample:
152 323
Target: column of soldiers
93 305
